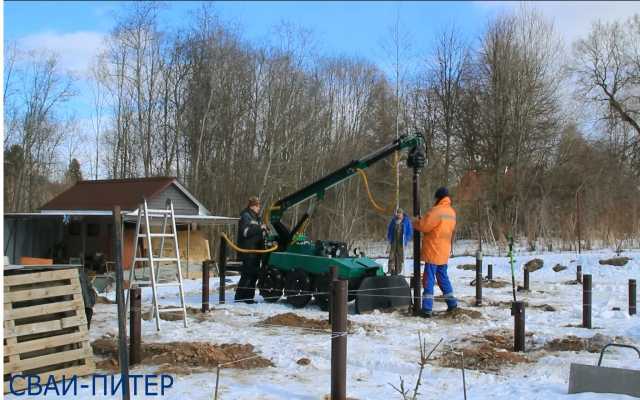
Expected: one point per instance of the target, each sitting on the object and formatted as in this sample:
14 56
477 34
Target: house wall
98 233
39 236
181 203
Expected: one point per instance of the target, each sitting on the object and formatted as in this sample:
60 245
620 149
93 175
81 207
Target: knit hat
253 201
399 210
441 192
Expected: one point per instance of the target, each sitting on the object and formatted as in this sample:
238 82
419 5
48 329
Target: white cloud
572 19
75 49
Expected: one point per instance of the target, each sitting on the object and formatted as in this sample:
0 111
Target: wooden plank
77 370
34 294
49 359
10 341
23 279
45 343
42 309
39 327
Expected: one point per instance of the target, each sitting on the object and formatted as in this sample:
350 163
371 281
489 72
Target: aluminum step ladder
146 218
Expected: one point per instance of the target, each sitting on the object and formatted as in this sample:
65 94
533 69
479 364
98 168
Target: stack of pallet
45 328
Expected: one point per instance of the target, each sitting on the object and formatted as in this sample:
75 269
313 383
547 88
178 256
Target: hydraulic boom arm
317 189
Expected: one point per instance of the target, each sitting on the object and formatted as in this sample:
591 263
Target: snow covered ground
379 356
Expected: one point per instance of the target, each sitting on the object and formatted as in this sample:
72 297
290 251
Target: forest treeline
523 128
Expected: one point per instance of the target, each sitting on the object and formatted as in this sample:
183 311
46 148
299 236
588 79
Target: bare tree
397 46
449 65
98 110
37 130
607 69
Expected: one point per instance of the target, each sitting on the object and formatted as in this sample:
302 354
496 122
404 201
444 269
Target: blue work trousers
437 273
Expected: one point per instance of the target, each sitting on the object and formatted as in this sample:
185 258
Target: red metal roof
104 194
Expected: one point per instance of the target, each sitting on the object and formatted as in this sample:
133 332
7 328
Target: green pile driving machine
299 267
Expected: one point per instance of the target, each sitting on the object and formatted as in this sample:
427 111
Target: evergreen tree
73 174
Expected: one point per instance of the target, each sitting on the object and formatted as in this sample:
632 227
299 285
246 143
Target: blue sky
352 28
76 30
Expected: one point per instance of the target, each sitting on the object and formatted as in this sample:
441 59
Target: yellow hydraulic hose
240 250
267 213
375 205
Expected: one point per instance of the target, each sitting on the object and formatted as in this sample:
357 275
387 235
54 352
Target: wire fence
300 327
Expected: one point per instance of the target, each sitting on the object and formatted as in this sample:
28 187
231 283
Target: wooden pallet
45 327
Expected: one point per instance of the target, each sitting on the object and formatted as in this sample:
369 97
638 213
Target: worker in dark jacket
250 236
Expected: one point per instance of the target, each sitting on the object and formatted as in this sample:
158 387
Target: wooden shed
77 224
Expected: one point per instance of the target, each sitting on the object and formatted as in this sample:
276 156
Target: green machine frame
300 267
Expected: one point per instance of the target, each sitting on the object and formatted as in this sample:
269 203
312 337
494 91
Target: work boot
425 314
452 309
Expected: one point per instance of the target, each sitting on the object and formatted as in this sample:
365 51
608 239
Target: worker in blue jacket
399 233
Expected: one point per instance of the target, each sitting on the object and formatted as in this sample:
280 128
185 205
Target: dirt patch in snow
507 304
186 357
593 344
496 284
195 313
615 261
482 357
492 284
177 315
104 300
303 361
298 321
459 314
108 365
319 325
488 352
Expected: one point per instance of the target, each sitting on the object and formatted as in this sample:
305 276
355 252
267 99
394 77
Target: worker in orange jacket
438 227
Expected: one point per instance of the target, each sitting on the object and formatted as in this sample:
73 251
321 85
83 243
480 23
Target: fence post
205 285
579 274
478 278
518 325
123 356
527 286
135 321
632 297
586 301
490 272
339 341
222 266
